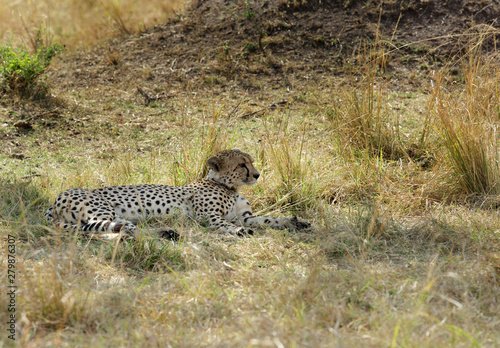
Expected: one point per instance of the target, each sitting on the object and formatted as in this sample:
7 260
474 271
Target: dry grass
361 116
467 120
81 23
397 257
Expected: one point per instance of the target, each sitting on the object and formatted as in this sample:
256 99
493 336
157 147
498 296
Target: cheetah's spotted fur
215 199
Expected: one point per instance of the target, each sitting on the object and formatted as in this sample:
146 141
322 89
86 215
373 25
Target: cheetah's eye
243 165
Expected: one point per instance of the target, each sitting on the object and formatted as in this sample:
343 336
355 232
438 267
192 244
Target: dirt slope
224 42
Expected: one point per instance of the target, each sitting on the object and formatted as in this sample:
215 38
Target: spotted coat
214 199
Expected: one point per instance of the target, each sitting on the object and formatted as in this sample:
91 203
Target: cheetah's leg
217 222
245 216
249 220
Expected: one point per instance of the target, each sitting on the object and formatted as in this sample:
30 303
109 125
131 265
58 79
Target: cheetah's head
232 168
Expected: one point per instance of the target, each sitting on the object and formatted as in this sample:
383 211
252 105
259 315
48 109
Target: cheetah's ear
214 163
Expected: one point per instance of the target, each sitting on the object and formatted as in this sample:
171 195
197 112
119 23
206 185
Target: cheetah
110 211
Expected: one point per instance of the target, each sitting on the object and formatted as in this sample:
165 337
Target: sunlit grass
80 23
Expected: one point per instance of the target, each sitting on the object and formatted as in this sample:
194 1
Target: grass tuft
145 255
51 299
467 120
283 151
21 209
360 116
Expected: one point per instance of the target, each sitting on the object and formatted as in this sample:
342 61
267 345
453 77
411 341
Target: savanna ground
376 121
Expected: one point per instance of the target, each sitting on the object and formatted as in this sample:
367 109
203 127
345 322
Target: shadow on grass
22 205
366 234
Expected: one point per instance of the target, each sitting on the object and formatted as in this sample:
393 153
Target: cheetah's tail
108 226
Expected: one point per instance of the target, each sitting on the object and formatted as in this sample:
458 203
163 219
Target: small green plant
226 48
249 14
249 49
20 71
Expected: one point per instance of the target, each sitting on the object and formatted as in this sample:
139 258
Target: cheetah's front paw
298 225
244 232
169 234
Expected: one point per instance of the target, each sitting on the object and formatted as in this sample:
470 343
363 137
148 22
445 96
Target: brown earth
222 42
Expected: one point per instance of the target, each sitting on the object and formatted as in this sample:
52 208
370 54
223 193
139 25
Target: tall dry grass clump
211 137
283 153
360 116
468 119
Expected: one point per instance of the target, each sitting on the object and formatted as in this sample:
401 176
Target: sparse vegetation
398 175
